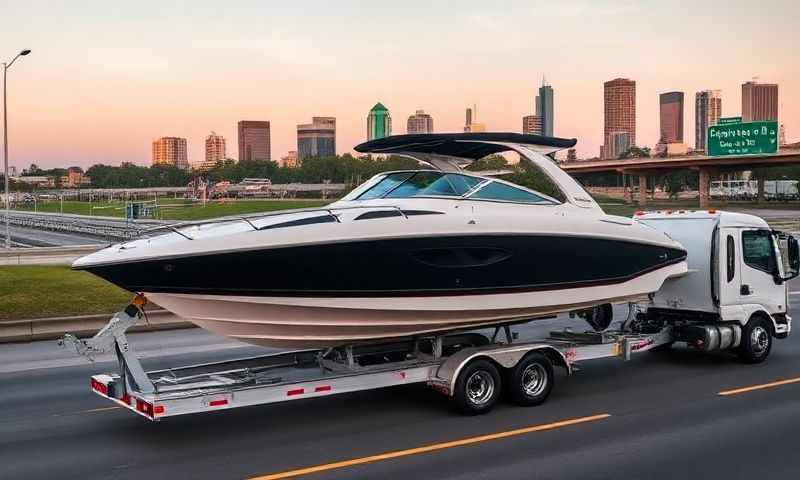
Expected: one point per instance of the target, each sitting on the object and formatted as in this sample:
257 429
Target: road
662 417
32 237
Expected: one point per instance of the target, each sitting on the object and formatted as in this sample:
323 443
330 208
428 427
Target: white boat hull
304 322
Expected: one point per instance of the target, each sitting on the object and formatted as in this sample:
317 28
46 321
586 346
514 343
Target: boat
407 253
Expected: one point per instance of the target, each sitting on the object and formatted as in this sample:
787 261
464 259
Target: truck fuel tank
710 337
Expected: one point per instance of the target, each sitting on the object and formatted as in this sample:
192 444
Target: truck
734 299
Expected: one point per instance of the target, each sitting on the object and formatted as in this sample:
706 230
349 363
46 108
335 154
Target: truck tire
477 387
756 340
531 380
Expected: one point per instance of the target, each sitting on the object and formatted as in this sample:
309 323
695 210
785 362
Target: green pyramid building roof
379 108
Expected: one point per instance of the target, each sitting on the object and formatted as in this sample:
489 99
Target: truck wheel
756 340
531 380
477 388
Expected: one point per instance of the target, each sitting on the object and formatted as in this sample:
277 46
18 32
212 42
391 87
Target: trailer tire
477 387
756 340
531 380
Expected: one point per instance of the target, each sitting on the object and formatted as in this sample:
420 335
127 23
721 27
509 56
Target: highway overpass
704 165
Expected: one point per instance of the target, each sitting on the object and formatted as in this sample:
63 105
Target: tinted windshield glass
389 182
413 184
434 184
507 193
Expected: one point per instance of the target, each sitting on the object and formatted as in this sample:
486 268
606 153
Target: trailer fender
505 357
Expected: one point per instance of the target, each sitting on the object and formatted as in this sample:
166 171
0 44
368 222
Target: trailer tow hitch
112 338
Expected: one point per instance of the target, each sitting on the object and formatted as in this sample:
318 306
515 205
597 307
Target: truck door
758 263
728 278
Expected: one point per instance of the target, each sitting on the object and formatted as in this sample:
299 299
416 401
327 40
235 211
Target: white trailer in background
734 298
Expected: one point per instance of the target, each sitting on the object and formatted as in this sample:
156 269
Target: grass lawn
176 209
55 291
234 207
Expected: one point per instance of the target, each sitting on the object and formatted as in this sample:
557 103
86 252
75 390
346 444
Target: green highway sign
749 138
729 120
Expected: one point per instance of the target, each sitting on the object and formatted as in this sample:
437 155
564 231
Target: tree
492 162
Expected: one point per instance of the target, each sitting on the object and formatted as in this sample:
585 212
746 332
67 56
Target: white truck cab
736 285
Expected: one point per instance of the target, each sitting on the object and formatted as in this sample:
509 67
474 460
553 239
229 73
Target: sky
106 78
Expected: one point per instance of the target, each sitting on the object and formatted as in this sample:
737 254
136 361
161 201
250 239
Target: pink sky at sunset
104 80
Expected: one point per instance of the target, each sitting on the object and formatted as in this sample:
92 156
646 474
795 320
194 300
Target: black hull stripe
403 293
416 267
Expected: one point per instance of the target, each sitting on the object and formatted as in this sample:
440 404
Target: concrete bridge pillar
760 198
702 187
642 190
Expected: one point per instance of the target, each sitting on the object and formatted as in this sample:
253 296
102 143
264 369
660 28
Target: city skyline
270 65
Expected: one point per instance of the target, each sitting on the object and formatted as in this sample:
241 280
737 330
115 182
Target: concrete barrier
46 255
82 326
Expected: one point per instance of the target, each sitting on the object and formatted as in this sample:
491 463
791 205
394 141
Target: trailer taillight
99 387
149 409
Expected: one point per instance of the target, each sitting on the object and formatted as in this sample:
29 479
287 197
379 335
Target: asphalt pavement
33 237
659 415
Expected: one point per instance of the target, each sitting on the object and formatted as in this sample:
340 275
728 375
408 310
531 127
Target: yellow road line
751 388
101 409
92 410
431 448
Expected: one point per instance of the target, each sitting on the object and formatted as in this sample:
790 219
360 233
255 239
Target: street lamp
6 66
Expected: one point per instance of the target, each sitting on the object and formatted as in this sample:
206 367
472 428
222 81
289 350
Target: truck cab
738 273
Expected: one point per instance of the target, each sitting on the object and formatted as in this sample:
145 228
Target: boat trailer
469 367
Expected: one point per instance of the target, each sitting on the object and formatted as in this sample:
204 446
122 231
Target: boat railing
248 219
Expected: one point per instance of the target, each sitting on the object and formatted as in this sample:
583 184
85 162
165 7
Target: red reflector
639 213
158 409
126 399
217 403
322 388
712 210
99 387
296 391
145 407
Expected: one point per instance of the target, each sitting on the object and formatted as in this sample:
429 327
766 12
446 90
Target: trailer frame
435 360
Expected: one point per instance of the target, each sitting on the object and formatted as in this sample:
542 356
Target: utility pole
6 66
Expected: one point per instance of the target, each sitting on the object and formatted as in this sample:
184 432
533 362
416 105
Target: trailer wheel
756 340
531 380
477 387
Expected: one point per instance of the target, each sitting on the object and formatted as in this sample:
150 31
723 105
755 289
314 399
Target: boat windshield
421 184
431 183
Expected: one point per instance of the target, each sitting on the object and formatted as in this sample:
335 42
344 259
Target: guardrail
85 325
107 228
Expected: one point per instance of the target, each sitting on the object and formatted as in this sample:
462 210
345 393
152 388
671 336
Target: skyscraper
215 151
254 140
471 121
316 139
707 111
532 124
671 116
759 101
379 122
544 108
420 122
619 106
170 151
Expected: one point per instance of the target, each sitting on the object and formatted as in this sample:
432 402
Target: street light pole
6 66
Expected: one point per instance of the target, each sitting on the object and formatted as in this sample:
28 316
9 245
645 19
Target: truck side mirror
794 257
